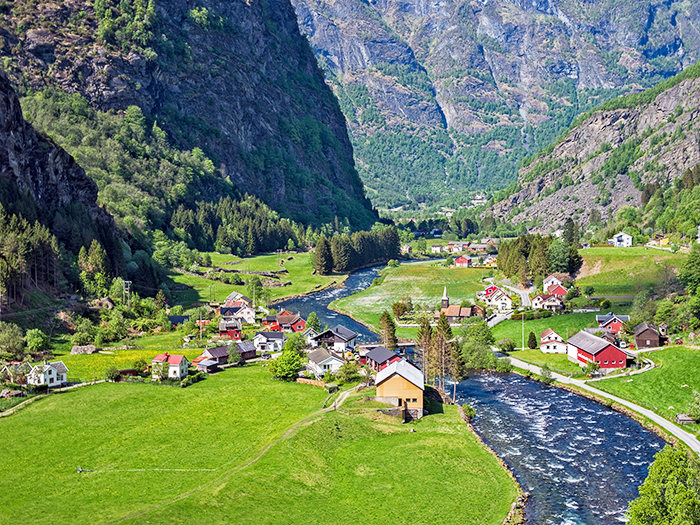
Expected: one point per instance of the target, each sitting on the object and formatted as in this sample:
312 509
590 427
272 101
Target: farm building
584 347
647 336
403 382
612 323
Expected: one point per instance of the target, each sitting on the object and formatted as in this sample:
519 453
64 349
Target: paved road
686 437
524 294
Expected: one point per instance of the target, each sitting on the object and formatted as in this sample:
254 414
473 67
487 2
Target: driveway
686 437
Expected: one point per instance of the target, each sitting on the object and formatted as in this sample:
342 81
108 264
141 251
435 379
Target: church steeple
445 299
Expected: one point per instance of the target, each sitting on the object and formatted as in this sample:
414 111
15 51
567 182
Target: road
524 294
686 437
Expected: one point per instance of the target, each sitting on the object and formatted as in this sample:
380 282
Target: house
496 298
51 374
436 232
381 357
456 313
291 322
269 341
547 302
309 335
584 347
491 262
647 336
402 384
238 310
218 354
551 342
230 328
612 323
15 373
549 281
621 240
322 361
557 290
436 248
406 248
462 262
238 296
473 247
337 338
176 366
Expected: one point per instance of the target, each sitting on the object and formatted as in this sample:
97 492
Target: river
580 461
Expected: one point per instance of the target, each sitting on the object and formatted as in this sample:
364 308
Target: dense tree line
532 257
343 253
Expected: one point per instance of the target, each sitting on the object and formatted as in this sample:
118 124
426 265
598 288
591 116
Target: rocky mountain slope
447 97
604 163
233 78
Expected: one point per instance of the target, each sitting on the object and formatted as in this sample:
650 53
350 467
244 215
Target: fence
311 382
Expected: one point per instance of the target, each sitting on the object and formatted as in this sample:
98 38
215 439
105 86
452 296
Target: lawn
565 325
424 283
299 270
624 271
662 388
221 437
557 362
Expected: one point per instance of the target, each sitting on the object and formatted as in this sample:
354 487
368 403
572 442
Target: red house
285 322
557 290
612 323
230 328
462 262
381 357
584 347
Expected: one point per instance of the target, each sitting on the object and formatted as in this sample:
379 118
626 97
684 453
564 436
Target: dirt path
291 430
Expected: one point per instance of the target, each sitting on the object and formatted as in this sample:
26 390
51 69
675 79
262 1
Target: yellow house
402 384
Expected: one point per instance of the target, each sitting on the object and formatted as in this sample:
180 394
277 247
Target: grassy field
565 325
662 388
238 453
424 283
557 362
624 271
299 270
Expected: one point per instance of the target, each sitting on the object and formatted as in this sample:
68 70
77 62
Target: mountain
619 155
234 79
447 98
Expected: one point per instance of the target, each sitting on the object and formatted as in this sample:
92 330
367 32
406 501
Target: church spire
445 299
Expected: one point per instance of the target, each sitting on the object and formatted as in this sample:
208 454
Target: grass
424 283
565 325
624 271
662 388
557 362
299 270
269 468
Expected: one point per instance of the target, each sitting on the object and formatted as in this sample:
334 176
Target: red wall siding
615 327
609 354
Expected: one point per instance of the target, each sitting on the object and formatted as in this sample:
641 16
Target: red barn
462 262
584 347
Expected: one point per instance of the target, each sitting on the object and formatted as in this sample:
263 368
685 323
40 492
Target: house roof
381 354
643 327
340 331
219 351
170 359
455 310
607 318
310 331
547 332
551 277
178 319
245 346
288 318
592 344
321 355
207 362
59 367
404 369
556 289
270 335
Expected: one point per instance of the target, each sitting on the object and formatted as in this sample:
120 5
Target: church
455 313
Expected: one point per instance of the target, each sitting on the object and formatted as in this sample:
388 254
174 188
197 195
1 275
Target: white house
499 300
177 366
269 341
547 302
621 240
549 281
245 313
52 374
338 338
436 248
309 335
322 361
552 343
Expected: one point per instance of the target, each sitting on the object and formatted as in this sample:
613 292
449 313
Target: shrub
112 374
605 304
507 345
393 263
546 376
504 365
468 410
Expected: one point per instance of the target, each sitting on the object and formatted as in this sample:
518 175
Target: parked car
266 356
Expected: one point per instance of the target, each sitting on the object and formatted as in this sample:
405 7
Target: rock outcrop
236 79
603 163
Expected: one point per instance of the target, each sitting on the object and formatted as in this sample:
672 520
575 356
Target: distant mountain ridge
235 79
445 98
607 159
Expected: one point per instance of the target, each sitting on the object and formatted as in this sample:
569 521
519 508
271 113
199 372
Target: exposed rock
87 349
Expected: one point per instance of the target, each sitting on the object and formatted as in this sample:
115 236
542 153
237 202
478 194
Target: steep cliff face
483 82
234 78
603 163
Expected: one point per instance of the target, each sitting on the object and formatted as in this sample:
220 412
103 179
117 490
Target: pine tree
160 301
532 341
424 336
388 328
442 349
323 258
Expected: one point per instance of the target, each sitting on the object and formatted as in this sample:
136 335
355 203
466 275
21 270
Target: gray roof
245 346
381 354
588 342
343 333
605 319
271 335
207 362
59 367
320 355
219 351
643 327
406 370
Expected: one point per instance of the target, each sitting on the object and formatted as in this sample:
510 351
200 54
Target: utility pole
126 292
522 316
200 326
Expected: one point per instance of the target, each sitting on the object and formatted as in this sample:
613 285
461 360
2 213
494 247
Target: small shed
208 366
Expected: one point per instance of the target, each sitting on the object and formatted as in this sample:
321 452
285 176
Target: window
648 342
415 400
606 362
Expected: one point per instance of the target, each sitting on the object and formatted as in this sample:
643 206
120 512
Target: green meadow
424 283
624 271
299 269
240 448
565 325
556 362
662 389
